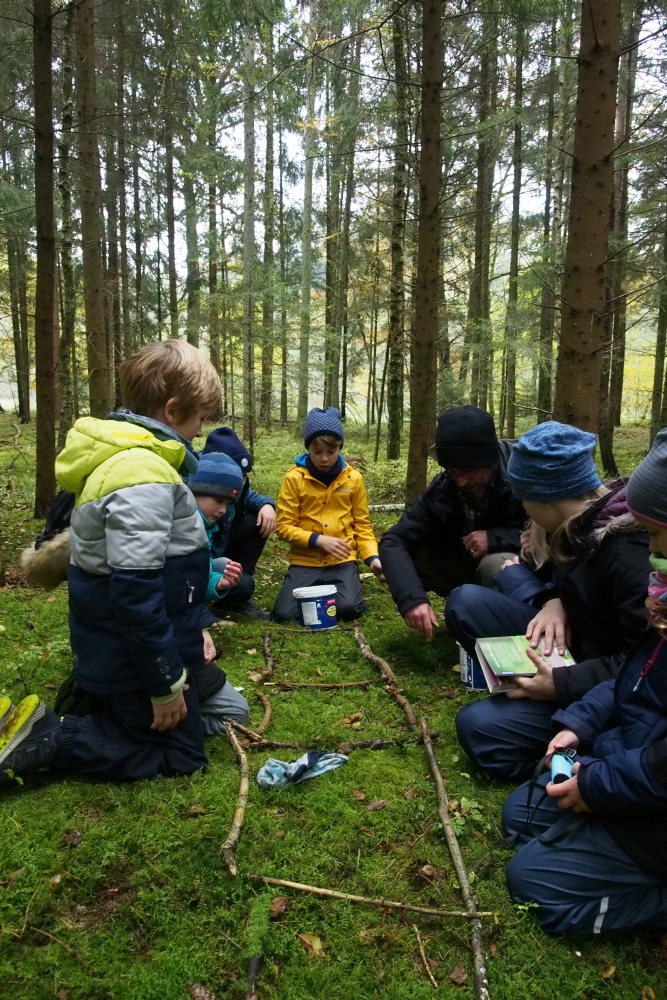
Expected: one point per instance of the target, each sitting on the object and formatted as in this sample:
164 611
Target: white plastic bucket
317 606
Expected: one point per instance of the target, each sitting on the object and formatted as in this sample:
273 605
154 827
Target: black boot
31 745
249 610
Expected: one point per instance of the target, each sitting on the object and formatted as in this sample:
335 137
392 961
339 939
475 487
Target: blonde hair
565 544
171 369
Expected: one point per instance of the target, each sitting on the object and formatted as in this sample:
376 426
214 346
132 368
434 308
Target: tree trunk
192 281
21 359
423 370
307 230
171 235
68 295
269 234
122 190
213 310
91 219
113 278
583 294
138 337
248 320
396 335
283 283
661 336
547 298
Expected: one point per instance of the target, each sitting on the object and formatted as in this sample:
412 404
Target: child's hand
336 547
564 740
376 567
209 647
266 520
230 577
540 687
568 794
166 717
550 622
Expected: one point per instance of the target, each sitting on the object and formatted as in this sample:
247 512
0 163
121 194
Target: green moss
145 898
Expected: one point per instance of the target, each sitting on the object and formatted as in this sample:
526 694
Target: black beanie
466 437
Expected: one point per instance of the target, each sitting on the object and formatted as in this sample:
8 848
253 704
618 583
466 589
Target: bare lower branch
427 970
391 684
230 843
266 721
289 685
253 736
268 657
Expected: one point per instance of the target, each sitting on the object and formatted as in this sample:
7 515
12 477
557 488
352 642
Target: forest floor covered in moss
143 905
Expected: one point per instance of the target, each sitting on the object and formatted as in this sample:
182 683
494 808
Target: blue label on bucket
317 610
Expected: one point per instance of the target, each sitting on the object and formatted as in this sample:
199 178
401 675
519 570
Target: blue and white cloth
278 773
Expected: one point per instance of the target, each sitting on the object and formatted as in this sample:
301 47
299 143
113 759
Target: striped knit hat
321 421
647 486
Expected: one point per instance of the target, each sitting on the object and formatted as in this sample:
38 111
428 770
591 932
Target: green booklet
504 657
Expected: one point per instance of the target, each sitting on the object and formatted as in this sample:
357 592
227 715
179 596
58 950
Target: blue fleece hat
225 440
321 421
217 476
647 486
553 462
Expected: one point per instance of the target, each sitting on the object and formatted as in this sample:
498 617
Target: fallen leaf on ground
197 810
251 652
56 882
410 793
456 669
458 975
369 833
493 948
278 907
432 964
50 600
221 623
198 992
51 687
647 993
256 676
359 795
72 838
365 576
355 717
607 971
378 804
429 871
312 944
449 693
453 805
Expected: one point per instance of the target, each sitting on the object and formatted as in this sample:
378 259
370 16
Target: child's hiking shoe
6 708
249 610
28 739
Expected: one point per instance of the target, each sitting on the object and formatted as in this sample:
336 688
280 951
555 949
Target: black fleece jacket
437 521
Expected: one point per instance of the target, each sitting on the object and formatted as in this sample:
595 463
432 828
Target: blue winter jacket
622 725
249 502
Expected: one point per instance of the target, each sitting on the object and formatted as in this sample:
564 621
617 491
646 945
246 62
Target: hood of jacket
610 514
300 460
91 442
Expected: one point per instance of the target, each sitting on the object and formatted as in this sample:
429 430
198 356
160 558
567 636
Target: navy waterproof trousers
504 737
583 883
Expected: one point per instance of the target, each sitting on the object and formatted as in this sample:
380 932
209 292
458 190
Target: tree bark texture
68 295
268 307
307 232
248 320
583 292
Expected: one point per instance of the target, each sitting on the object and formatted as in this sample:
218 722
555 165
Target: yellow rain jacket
307 506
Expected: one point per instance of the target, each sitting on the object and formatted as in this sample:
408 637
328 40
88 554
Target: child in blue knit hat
323 514
216 485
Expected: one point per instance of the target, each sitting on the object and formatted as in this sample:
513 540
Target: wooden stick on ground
230 843
66 948
368 901
266 721
274 745
268 657
251 978
391 684
382 744
427 969
479 959
288 685
251 735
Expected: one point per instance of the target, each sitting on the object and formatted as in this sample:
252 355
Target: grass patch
145 898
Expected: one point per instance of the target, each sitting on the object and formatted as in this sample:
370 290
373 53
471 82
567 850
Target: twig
367 900
250 733
230 843
231 940
391 684
163 874
382 744
478 956
273 745
251 977
268 658
67 948
288 685
25 916
17 428
423 955
266 721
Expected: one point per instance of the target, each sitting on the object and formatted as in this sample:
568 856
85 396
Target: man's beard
476 494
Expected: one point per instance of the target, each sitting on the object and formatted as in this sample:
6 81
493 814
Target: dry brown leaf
493 948
56 882
429 871
256 676
647 993
432 964
197 810
449 693
369 833
359 795
453 805
51 687
365 576
312 943
410 793
456 669
72 838
278 907
251 652
355 717
378 804
458 975
198 992
608 971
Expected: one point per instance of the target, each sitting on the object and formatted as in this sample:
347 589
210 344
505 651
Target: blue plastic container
317 606
471 672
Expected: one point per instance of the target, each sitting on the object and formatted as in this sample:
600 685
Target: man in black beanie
462 527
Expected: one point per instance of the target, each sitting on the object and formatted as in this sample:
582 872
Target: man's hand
564 740
209 647
421 618
266 520
336 547
538 688
476 543
166 717
550 622
376 568
568 794
230 577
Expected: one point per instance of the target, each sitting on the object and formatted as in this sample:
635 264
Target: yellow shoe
5 708
19 723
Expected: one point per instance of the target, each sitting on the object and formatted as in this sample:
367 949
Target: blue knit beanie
553 462
321 421
226 441
217 476
647 486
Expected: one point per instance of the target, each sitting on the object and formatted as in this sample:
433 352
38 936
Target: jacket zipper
191 591
645 670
